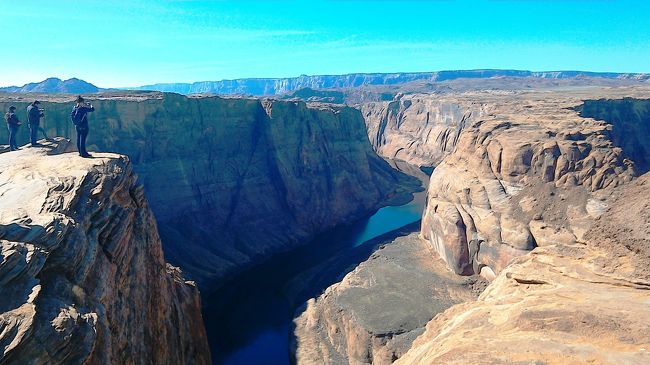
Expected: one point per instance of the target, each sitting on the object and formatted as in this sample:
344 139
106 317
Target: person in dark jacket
79 116
34 115
12 124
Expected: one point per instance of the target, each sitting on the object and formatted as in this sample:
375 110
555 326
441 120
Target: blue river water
249 320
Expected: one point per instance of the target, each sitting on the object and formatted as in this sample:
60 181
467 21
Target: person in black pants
12 124
79 117
34 115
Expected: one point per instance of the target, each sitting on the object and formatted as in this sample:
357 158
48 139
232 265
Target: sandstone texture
583 303
513 170
82 274
373 315
233 181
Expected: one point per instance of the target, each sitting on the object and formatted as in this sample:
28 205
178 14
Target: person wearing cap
79 116
12 124
34 115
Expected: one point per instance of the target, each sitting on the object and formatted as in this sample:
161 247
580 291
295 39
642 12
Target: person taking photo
79 116
34 115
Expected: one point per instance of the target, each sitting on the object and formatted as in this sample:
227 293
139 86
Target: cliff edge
82 274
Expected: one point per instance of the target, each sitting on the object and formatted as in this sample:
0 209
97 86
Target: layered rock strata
419 129
233 181
82 274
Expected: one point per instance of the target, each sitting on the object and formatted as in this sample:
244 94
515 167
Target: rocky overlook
82 274
233 181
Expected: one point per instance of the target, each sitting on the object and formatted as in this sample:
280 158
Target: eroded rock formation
514 170
82 274
419 129
580 303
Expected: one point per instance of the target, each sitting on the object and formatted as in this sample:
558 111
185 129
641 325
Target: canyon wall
232 181
510 167
419 129
82 274
630 120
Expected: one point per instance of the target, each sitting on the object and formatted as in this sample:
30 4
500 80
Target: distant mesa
55 85
286 86
277 86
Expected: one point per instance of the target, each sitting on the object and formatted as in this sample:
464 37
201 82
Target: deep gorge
244 189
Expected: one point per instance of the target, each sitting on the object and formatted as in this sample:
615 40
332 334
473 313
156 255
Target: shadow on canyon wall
630 120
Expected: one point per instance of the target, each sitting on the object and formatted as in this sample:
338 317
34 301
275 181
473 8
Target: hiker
12 124
79 117
34 115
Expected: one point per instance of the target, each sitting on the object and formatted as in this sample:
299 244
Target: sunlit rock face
373 315
561 304
82 274
233 181
513 170
419 129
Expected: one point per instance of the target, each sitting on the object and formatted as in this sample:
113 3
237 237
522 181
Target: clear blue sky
128 43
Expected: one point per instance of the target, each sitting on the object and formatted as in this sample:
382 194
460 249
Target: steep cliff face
630 120
561 304
82 274
232 181
419 129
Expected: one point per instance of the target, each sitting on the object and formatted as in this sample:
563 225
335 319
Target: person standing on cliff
12 124
79 116
34 115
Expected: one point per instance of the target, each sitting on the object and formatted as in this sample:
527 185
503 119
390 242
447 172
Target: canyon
533 233
525 186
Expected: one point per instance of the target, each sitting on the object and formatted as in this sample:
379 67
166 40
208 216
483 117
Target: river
249 319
